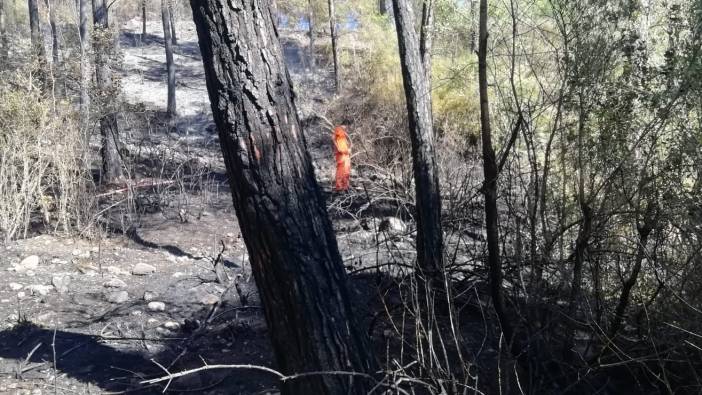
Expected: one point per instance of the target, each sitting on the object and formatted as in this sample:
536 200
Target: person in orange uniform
342 152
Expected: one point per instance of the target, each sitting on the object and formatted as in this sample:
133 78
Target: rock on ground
142 269
117 297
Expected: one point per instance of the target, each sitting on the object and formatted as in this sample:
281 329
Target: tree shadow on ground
133 235
120 363
113 359
136 40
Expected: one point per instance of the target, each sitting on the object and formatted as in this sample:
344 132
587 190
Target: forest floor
96 315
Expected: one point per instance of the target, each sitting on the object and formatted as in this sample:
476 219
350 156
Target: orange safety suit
342 153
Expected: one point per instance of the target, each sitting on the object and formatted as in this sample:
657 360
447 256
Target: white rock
177 274
118 271
393 225
21 294
157 306
209 299
142 269
149 296
202 294
38 289
163 331
117 297
137 312
30 263
115 283
61 283
81 254
16 286
30 273
172 325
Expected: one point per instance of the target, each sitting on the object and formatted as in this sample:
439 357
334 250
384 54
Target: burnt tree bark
294 255
582 242
382 7
170 65
3 35
84 69
171 18
35 30
310 17
644 229
109 128
426 36
490 184
418 98
51 5
143 20
335 49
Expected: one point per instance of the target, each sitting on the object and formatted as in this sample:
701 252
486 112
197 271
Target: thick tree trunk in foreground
294 254
35 29
490 185
84 69
335 49
170 65
109 128
418 97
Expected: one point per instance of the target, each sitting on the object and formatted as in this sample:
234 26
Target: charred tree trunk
382 7
170 65
583 240
3 35
473 29
581 246
335 49
490 185
35 30
418 97
84 69
644 230
51 5
426 36
294 255
171 19
310 17
143 20
109 128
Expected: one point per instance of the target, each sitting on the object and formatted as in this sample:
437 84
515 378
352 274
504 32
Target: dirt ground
101 314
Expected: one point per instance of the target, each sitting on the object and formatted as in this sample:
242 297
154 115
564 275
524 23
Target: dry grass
43 176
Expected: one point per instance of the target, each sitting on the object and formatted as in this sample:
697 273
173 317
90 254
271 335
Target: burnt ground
84 315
